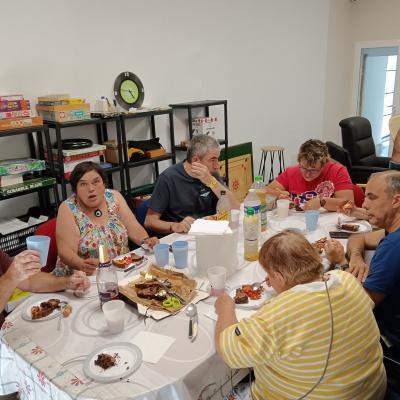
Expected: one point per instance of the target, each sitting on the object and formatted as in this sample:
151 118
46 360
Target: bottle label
263 215
255 208
250 229
105 265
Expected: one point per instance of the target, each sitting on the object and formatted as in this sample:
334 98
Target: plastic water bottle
258 185
223 207
253 201
106 278
250 233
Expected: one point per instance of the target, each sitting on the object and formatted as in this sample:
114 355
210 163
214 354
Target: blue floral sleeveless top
113 234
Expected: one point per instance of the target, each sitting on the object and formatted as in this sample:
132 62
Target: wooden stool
272 150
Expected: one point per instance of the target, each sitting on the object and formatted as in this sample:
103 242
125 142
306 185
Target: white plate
364 226
35 301
134 265
254 304
130 359
292 224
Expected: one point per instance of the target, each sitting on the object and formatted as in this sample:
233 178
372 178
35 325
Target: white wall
349 24
266 57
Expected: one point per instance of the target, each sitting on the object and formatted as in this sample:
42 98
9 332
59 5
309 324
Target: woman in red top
316 181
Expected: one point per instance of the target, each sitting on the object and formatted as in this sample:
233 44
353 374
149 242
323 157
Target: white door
377 95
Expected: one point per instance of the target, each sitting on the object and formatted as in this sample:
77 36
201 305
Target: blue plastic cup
40 244
180 250
311 219
161 253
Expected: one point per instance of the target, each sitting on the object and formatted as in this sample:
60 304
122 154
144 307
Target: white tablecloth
41 362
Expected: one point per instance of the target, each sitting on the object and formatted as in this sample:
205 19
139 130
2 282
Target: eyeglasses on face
312 171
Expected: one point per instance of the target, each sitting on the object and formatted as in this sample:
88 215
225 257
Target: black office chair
358 141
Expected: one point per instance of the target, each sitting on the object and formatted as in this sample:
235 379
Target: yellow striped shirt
287 343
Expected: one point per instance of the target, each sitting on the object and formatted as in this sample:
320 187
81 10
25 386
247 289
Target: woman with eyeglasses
316 181
94 215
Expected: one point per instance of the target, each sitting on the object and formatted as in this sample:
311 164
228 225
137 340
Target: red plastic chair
49 229
359 195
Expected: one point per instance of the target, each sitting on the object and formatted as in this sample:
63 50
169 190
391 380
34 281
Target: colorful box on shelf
155 153
27 185
76 157
75 152
69 166
15 123
64 116
14 105
205 126
20 166
8 180
15 114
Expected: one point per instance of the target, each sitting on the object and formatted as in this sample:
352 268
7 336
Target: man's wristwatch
322 202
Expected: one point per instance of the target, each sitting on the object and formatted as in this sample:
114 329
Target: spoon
191 312
257 285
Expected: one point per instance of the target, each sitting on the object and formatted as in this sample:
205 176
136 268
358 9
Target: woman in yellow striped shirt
317 339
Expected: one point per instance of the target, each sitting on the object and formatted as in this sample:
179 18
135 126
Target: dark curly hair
313 151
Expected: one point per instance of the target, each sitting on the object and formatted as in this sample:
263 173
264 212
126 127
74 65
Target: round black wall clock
128 90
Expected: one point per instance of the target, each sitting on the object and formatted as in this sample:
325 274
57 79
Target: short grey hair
392 180
200 145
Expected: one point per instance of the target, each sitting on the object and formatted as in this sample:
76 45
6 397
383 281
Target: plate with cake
44 307
249 298
358 226
112 362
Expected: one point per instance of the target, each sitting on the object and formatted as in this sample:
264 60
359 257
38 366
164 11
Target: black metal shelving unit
36 152
206 104
150 115
102 136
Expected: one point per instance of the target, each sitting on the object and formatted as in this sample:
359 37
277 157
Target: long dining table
42 360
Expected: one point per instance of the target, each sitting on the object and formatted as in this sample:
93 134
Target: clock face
128 90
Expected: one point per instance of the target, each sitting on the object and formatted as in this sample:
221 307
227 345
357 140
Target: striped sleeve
247 344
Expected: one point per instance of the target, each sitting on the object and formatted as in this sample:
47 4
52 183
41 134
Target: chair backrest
49 229
339 154
357 139
359 195
141 211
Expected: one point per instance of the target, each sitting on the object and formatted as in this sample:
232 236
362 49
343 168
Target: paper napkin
153 345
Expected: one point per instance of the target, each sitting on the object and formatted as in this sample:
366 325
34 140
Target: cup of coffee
41 244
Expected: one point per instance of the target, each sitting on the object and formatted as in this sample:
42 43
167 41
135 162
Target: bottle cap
223 192
250 211
258 178
103 254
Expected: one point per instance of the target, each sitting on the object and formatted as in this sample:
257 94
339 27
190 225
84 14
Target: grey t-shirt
177 195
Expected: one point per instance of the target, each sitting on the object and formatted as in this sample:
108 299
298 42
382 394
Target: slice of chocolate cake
240 297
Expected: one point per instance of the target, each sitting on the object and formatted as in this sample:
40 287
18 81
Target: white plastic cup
217 277
180 249
161 254
234 219
41 244
311 217
282 208
114 314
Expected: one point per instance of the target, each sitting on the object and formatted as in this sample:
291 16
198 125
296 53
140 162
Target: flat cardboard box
64 116
15 123
155 153
64 107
